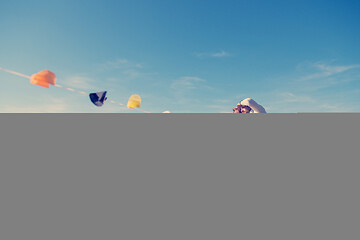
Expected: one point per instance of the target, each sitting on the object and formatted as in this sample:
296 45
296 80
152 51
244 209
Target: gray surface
179 176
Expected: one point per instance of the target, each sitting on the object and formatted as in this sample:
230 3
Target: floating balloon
134 101
43 78
98 98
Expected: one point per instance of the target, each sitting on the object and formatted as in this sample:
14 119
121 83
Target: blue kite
98 99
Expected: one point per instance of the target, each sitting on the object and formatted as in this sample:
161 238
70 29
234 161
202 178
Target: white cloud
316 87
326 107
326 71
55 106
221 105
320 76
223 101
335 69
120 63
290 103
116 64
288 97
80 82
220 108
325 83
185 90
131 73
187 83
220 54
126 70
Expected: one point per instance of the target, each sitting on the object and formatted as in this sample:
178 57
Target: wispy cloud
316 87
116 64
187 83
219 108
223 101
54 106
131 73
125 70
120 63
324 70
186 90
220 105
220 54
288 97
80 82
291 102
319 77
325 107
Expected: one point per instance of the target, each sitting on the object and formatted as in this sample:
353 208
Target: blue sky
183 56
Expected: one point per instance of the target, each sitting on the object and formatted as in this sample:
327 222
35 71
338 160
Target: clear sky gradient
185 56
